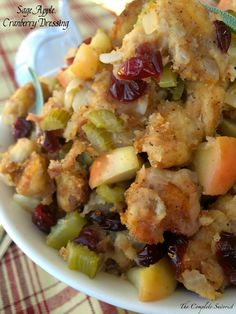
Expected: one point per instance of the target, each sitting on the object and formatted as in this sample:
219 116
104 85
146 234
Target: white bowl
105 287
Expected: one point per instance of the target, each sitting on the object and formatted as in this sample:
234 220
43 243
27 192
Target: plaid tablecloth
25 287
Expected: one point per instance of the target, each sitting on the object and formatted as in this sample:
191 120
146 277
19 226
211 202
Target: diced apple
118 165
65 77
215 164
155 282
86 62
101 42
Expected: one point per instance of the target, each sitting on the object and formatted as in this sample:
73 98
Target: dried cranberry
52 141
148 51
44 217
151 254
107 221
226 255
95 216
157 63
136 68
113 223
177 246
90 237
140 67
223 35
22 128
126 91
144 50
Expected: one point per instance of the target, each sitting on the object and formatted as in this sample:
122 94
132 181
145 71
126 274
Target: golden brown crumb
201 270
34 180
72 190
170 137
125 21
162 200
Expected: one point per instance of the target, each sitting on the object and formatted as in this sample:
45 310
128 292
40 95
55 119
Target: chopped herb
39 101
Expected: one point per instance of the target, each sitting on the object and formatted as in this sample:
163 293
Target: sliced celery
56 119
177 91
111 195
99 138
228 127
66 229
107 120
168 78
82 259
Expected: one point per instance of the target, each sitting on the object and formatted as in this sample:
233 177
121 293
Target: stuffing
143 143
192 41
99 98
12 161
202 272
123 242
175 130
170 137
125 22
21 151
227 205
193 280
162 200
70 163
72 190
34 179
188 38
120 258
96 98
19 104
21 101
49 105
204 104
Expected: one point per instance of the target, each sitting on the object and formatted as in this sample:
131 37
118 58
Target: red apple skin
97 170
225 175
215 164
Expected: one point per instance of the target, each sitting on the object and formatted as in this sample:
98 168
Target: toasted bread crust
125 21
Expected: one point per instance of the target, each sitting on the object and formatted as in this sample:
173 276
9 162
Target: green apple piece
118 165
155 282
